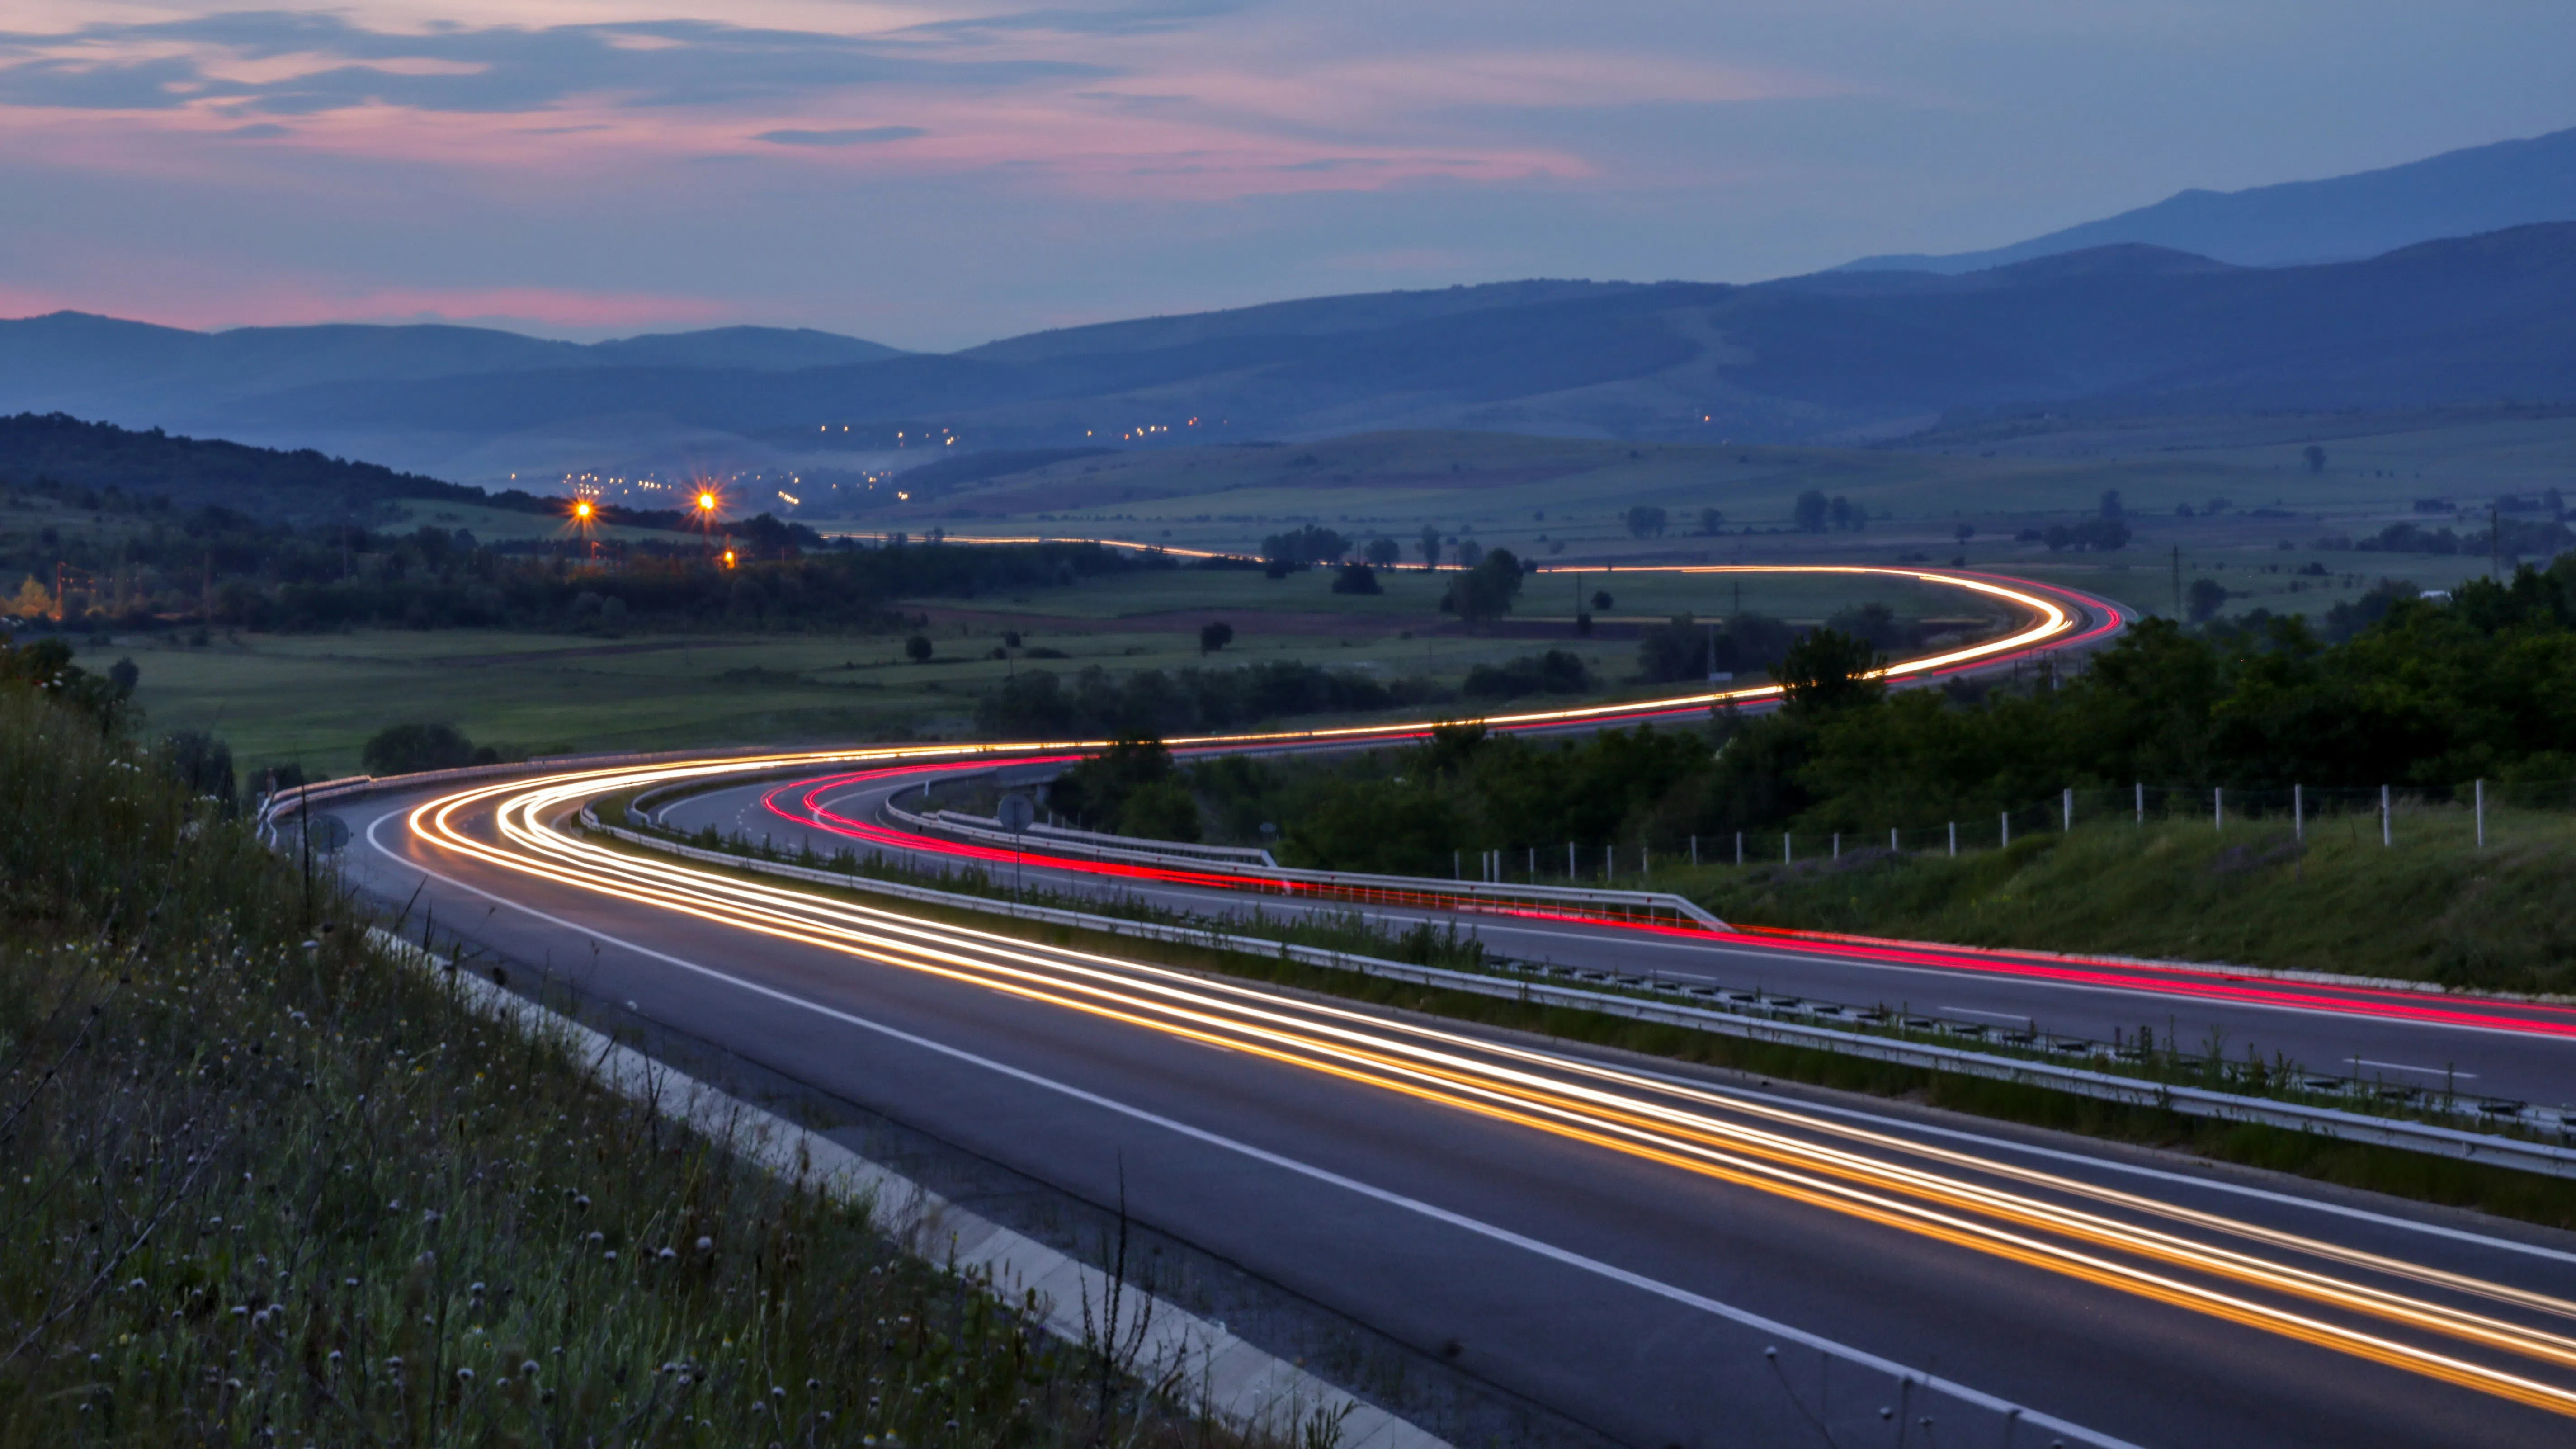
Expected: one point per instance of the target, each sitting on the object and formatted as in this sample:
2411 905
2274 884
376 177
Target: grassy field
267 1185
314 698
1562 501
2432 908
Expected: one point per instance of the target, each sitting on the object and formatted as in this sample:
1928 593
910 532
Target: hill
1835 358
300 486
2342 218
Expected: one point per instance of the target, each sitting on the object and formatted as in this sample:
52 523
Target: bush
1554 672
408 749
1357 578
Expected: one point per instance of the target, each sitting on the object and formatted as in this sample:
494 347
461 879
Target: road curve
1660 1255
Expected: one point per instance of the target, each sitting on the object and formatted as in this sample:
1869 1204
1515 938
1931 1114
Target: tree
1645 521
2111 507
1485 592
1811 511
1215 635
1356 578
1384 552
1711 522
2315 456
1429 543
1312 544
1469 553
1829 670
917 648
124 674
1673 651
1847 516
1601 600
1097 791
1964 532
2206 595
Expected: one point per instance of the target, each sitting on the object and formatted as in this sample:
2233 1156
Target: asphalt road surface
2469 1047
1665 1256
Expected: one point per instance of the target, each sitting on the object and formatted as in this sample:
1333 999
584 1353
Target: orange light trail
1880 1178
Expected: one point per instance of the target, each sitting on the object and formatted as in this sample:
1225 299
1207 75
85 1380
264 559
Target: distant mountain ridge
2341 218
1838 357
75 357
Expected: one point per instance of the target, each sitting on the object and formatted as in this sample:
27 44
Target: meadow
313 699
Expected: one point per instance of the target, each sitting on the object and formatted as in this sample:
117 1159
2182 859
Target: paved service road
1626 1245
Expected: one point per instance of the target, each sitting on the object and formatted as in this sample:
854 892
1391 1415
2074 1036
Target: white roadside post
2387 831
2141 788
2218 807
2482 814
1015 814
1954 838
2299 813
2007 818
2070 808
1739 847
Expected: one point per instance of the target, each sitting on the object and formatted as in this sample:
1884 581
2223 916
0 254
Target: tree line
2427 696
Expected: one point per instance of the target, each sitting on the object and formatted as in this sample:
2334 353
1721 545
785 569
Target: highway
1659 1255
2469 1046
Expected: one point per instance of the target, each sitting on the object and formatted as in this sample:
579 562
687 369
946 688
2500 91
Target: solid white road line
1859 1357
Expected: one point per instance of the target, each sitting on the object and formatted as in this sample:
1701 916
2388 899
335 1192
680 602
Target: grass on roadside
262 1193
2432 908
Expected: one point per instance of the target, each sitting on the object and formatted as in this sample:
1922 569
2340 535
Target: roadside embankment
266 1184
2433 906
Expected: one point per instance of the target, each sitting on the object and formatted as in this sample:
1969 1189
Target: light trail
1932 1192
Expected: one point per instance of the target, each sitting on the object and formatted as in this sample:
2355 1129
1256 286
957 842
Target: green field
1563 501
314 698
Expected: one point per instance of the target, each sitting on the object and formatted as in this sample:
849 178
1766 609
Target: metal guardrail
2519 1153
1393 890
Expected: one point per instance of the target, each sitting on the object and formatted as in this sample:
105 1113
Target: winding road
1647 1253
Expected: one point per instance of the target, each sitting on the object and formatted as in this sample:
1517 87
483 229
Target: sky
936 173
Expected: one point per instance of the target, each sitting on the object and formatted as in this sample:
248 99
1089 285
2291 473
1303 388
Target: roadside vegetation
264 1184
2226 789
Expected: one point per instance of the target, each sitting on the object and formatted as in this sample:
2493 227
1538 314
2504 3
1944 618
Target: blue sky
932 174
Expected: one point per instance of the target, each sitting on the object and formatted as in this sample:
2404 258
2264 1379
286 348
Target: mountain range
2127 326
2342 218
